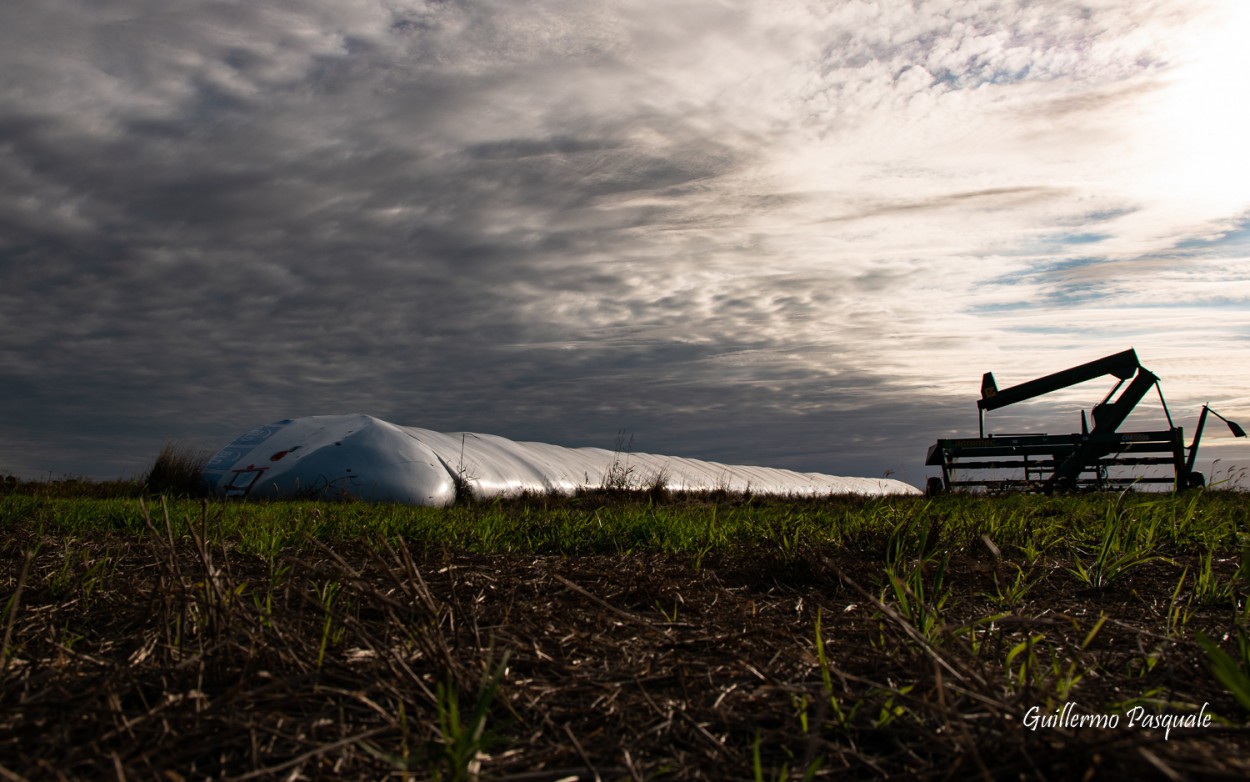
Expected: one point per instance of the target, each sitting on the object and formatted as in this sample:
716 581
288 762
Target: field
624 636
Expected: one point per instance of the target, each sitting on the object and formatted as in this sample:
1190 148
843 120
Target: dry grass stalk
179 470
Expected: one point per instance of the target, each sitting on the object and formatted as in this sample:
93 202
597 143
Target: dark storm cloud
266 233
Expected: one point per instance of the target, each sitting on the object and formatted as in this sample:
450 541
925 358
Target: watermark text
1069 716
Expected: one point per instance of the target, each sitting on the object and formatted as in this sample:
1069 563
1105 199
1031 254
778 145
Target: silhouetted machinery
1068 462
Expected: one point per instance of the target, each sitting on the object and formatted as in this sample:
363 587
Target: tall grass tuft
179 470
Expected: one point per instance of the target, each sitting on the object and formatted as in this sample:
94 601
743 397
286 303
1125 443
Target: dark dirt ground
146 659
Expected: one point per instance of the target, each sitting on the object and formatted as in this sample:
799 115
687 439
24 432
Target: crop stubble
184 657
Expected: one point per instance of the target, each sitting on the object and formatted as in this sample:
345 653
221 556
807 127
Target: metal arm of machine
1109 415
1107 418
1122 365
1233 427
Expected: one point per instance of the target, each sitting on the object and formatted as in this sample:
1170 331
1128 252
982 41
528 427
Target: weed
783 774
1208 589
890 709
1178 613
908 555
657 487
843 717
1026 653
920 604
669 616
179 470
786 538
326 594
1122 547
1232 670
911 551
1009 596
1233 480
1032 550
10 611
80 573
264 606
619 477
462 479
462 741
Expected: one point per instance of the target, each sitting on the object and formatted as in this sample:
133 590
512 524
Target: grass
618 635
1107 539
1127 541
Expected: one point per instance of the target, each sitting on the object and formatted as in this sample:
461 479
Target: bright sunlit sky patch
756 232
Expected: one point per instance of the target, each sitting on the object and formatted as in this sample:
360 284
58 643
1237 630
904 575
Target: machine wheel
1195 480
933 487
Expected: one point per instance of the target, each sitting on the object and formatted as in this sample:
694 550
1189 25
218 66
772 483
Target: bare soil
186 659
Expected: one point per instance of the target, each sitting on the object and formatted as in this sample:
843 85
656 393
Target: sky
773 233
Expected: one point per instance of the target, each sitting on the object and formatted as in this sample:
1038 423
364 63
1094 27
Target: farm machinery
1071 462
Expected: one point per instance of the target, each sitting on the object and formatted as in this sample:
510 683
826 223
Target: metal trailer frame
1072 462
